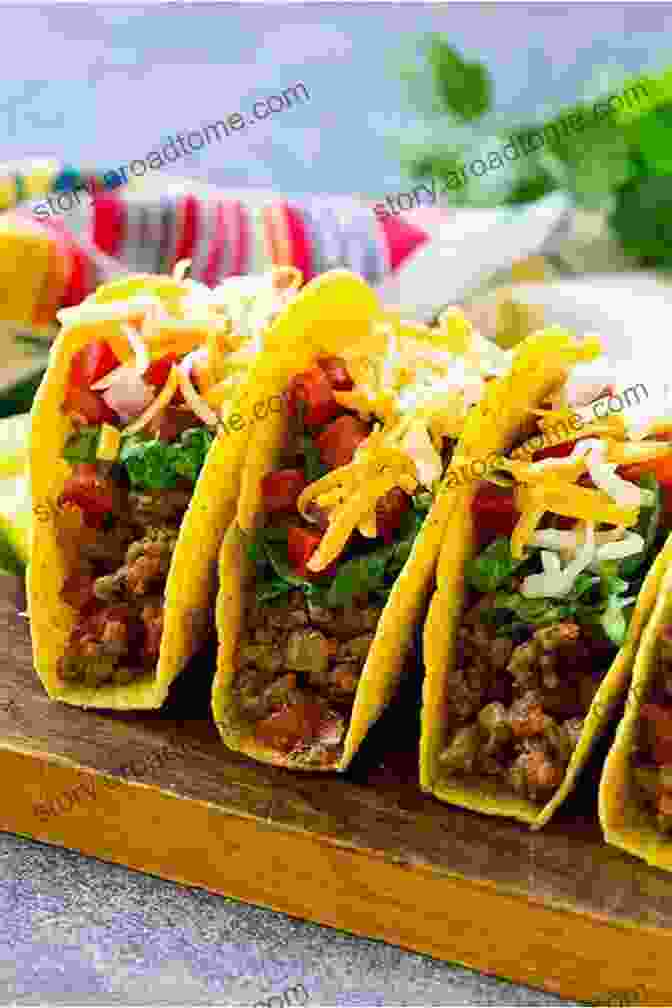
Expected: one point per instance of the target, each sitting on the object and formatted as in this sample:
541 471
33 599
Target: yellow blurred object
533 269
15 506
515 321
33 272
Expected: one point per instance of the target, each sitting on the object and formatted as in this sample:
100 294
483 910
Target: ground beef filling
652 749
298 670
118 589
516 710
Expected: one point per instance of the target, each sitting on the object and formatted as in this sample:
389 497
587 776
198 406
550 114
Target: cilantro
83 446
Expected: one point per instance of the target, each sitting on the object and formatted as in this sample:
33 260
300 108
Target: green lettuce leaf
83 446
493 566
153 464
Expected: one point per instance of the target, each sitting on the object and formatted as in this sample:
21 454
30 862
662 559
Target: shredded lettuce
275 576
153 464
490 570
369 574
82 446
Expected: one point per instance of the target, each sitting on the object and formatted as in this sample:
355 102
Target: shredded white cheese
556 582
604 476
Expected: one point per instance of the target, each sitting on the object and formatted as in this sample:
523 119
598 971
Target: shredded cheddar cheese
108 445
567 500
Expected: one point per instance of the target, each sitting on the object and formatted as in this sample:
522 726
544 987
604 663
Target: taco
543 587
324 574
135 474
636 786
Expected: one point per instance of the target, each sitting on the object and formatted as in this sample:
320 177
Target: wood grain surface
365 852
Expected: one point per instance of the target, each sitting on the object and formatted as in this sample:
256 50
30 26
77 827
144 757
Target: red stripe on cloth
243 244
300 249
109 223
78 285
275 235
238 238
213 266
402 238
187 216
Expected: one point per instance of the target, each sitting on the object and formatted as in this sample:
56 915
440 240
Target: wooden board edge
312 878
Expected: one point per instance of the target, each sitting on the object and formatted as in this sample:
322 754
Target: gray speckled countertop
74 930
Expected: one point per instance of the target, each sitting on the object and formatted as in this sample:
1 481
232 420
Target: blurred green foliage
620 161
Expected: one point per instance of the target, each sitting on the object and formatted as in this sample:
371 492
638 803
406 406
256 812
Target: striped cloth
148 226
232 236
21 181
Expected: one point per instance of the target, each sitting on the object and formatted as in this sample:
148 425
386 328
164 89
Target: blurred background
355 172
101 85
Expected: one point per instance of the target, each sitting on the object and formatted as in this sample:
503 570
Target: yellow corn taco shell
540 364
190 588
624 820
384 665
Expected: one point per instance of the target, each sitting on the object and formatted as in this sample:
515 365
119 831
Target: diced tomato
92 363
301 544
389 512
338 442
88 406
280 490
291 726
660 467
158 371
77 590
494 512
337 373
313 389
89 365
157 375
87 490
661 719
557 451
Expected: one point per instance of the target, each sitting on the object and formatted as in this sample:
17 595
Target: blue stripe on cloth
331 239
204 237
362 250
168 231
310 219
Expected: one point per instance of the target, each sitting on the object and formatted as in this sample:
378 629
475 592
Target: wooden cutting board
365 852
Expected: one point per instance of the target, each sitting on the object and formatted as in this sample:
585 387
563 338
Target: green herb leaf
83 446
490 569
464 88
